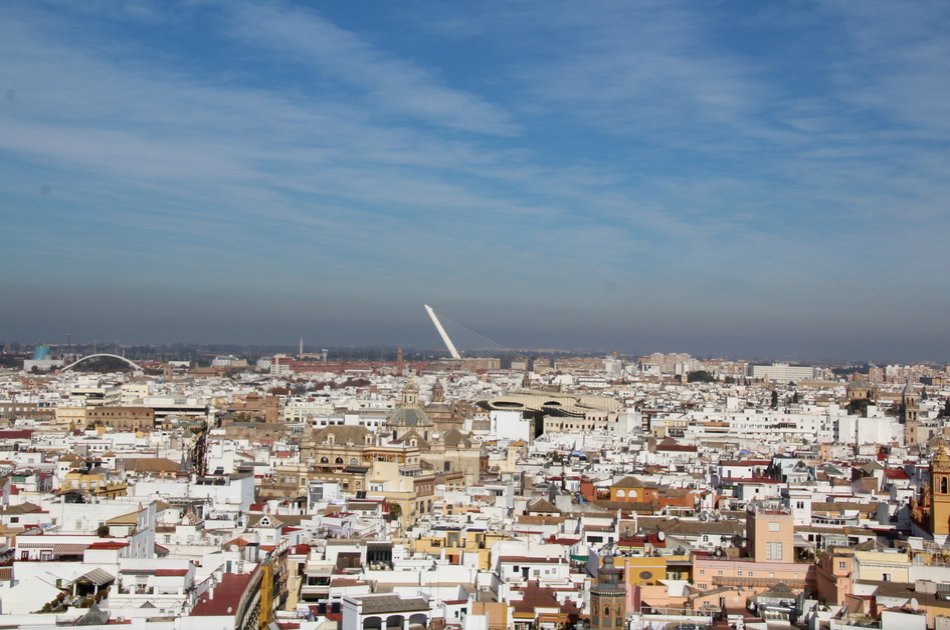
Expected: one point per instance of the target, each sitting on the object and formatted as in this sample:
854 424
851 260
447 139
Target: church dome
409 417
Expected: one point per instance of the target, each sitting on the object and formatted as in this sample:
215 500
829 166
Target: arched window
324 460
607 611
621 494
943 485
354 461
339 460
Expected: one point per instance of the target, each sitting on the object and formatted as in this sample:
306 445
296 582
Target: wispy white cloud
632 144
311 43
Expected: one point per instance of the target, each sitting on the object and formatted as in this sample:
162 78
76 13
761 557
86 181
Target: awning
69 549
97 576
61 549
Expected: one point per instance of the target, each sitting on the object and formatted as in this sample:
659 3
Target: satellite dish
661 536
914 604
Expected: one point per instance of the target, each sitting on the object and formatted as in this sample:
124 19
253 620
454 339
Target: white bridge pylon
445 336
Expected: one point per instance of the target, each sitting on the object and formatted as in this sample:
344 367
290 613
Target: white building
783 372
511 425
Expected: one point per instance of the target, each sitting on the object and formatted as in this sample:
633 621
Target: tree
796 398
394 510
858 406
700 376
774 399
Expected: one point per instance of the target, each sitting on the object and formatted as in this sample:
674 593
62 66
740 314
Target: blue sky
712 177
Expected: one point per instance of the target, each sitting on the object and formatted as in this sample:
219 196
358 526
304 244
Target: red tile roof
227 595
895 473
16 434
108 544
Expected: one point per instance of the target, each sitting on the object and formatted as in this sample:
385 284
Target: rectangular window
773 551
774 527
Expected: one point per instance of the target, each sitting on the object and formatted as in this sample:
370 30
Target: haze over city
498 315
715 178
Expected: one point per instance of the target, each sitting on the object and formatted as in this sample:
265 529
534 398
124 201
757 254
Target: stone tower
608 599
438 392
410 394
910 415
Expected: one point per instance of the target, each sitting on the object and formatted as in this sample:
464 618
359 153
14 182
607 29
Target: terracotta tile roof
227 596
895 473
109 544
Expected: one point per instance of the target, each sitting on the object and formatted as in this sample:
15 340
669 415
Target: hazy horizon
724 179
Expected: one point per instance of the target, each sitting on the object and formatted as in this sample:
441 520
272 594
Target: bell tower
608 598
910 415
410 394
940 494
438 392
400 361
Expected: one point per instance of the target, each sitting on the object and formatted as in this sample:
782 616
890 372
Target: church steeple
910 414
940 494
608 599
438 392
410 394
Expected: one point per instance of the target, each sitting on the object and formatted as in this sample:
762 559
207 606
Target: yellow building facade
940 493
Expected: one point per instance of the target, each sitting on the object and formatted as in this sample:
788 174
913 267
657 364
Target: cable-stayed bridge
464 343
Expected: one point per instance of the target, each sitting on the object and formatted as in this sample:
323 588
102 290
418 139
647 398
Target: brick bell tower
608 598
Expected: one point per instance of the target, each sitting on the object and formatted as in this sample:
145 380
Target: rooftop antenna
445 336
